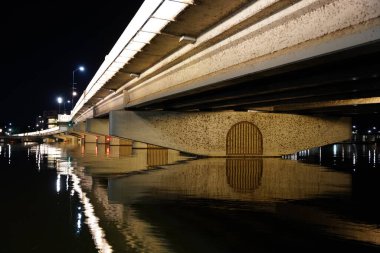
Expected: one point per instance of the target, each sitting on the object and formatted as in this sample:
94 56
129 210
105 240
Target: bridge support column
229 133
90 138
114 141
100 127
101 139
97 126
119 151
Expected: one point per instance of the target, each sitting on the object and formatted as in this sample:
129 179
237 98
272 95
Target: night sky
42 44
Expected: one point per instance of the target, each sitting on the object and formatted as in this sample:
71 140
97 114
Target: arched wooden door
244 139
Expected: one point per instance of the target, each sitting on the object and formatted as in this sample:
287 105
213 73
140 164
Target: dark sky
41 44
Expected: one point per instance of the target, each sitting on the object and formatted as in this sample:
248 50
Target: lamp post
59 100
64 103
68 101
74 92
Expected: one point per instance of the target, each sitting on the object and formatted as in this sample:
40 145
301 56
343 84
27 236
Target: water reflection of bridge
267 183
251 179
108 159
244 175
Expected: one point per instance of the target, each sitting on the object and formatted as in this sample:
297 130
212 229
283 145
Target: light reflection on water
64 168
154 207
156 200
344 155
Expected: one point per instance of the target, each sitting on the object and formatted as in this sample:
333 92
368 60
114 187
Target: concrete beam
88 114
97 131
320 105
112 104
80 127
98 126
90 138
205 133
305 30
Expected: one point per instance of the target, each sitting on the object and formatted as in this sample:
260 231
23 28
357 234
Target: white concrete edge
246 13
145 12
142 15
250 11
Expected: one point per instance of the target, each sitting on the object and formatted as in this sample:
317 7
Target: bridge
236 78
20 139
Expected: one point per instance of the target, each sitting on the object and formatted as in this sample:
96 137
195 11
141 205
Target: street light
74 93
64 105
59 100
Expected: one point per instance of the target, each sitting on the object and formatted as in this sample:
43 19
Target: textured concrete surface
90 138
304 30
100 128
277 36
97 126
79 127
205 133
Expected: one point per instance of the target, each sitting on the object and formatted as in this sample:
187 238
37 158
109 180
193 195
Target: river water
97 198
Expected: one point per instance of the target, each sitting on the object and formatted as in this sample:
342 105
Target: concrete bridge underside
259 78
273 56
219 133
